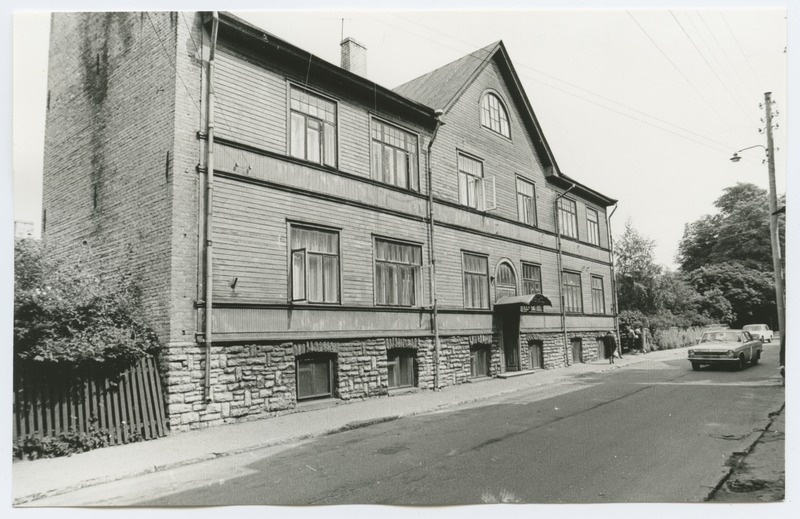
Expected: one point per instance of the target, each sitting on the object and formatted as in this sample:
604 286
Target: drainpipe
432 257
560 275
209 204
613 277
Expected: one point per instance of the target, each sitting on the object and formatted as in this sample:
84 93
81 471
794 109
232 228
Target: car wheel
741 364
756 358
695 366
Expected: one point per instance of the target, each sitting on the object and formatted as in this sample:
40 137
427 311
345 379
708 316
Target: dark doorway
510 323
480 356
577 350
601 349
536 351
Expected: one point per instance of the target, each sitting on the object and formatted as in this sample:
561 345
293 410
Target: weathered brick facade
125 188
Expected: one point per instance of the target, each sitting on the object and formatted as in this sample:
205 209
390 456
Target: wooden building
323 236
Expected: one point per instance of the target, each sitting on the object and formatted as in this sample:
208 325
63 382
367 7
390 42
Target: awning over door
526 300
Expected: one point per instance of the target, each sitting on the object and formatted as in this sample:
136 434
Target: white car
760 331
733 348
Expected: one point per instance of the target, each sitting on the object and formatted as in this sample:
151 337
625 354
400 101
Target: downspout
560 275
613 276
209 204
432 257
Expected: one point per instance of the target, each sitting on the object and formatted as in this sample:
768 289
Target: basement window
314 376
400 366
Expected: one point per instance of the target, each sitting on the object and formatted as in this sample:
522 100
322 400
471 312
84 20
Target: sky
643 105
644 101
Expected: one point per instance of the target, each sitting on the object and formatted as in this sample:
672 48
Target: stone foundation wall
258 380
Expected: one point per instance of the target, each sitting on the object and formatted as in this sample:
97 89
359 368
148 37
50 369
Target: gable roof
441 89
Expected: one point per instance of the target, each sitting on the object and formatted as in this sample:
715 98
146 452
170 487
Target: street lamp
773 222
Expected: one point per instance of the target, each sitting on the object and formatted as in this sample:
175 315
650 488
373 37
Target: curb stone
745 447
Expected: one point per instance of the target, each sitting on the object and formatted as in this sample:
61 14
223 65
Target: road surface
650 432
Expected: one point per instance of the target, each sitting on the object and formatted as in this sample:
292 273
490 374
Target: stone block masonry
251 381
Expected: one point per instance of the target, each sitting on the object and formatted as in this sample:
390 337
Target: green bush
63 444
671 338
70 316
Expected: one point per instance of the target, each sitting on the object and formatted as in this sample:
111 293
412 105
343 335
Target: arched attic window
494 114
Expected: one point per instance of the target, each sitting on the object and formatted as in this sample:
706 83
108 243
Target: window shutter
489 193
299 290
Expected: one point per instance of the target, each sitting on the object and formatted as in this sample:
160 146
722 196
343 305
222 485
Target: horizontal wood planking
250 102
503 158
250 238
333 320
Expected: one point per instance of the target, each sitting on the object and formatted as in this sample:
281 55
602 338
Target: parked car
725 347
760 331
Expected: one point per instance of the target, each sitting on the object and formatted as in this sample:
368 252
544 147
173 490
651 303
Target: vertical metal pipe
209 206
560 275
432 257
614 278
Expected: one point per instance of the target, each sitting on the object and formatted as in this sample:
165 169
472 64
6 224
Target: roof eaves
254 32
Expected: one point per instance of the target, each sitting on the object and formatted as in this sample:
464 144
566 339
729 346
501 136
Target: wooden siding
250 240
250 102
252 109
504 159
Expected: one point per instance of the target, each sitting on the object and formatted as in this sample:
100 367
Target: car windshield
721 337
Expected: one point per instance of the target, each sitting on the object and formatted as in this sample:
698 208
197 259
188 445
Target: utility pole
773 223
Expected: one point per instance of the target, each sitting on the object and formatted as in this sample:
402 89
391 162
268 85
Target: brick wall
106 186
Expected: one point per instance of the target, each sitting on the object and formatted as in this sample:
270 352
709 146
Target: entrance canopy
526 300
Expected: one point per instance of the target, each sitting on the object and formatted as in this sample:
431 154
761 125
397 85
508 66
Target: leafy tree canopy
67 315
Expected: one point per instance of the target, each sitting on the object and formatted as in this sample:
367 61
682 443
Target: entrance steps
512 374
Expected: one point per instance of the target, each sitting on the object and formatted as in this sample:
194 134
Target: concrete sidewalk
40 478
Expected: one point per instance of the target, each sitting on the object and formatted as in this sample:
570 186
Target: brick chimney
354 56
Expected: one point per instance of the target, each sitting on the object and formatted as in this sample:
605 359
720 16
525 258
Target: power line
708 64
520 64
727 146
743 80
685 78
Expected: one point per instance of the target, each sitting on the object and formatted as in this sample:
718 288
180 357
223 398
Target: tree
730 252
738 232
637 272
749 291
67 315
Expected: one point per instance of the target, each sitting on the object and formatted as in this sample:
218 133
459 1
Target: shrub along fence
50 401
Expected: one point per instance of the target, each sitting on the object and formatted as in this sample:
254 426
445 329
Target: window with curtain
470 182
598 296
494 115
315 265
476 281
526 202
397 273
573 296
532 281
312 127
395 156
593 226
568 217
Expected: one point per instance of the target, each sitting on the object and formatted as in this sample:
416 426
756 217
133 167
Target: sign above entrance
526 300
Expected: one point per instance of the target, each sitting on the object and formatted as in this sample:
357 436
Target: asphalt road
651 432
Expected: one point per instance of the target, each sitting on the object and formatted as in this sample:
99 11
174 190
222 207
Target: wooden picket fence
128 407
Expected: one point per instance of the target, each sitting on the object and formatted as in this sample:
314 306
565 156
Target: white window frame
417 268
568 220
411 158
598 295
307 118
302 252
478 198
501 110
531 200
593 226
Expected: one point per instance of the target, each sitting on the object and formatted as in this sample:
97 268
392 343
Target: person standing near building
638 343
610 344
